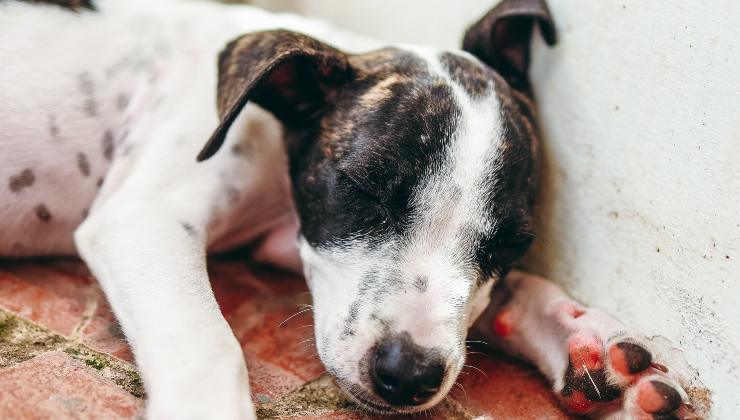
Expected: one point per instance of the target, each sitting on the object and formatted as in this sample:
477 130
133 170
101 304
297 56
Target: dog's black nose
404 373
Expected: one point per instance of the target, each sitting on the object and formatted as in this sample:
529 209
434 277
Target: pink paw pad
578 403
585 352
572 309
656 397
503 323
629 358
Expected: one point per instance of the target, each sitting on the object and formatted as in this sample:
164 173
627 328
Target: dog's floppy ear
502 37
288 73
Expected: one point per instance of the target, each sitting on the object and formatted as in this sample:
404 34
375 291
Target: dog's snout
404 373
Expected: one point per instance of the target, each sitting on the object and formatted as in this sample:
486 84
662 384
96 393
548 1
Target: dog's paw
614 373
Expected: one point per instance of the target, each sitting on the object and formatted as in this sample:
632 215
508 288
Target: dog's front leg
597 365
149 257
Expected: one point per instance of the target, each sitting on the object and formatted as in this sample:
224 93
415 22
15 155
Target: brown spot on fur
83 164
108 145
100 182
86 85
239 149
53 127
122 101
42 213
24 179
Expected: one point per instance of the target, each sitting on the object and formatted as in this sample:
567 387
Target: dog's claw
658 366
686 412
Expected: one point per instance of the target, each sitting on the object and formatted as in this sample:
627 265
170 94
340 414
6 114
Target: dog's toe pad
629 358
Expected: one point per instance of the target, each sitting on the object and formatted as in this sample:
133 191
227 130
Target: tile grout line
22 340
91 307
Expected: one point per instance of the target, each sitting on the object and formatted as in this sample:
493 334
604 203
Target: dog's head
414 173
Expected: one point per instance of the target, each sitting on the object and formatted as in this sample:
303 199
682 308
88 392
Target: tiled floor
63 357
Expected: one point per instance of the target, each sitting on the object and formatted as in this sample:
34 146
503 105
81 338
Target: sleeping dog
142 134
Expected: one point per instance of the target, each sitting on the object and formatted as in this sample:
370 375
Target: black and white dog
412 172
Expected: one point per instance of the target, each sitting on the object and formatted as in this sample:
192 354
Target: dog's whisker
585 369
459 385
479 370
479 352
476 342
302 311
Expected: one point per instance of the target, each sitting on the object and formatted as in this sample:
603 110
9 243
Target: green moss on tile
7 323
21 340
96 363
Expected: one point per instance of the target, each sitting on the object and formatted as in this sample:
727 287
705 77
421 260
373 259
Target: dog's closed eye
496 255
380 202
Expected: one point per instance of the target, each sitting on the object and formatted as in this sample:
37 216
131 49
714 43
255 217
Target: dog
140 135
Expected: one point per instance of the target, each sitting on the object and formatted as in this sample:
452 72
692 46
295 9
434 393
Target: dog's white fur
143 73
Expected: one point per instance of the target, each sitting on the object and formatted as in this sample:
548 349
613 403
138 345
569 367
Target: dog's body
103 113
88 119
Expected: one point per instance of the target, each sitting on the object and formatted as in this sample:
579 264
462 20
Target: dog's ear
289 74
502 37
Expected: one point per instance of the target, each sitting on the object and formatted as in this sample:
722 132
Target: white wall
640 106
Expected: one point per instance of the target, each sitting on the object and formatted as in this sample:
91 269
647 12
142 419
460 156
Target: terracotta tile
42 303
57 294
54 386
269 382
104 334
507 387
255 302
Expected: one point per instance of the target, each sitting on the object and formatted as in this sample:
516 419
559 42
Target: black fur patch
188 228
421 283
74 5
594 386
472 76
514 184
354 171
